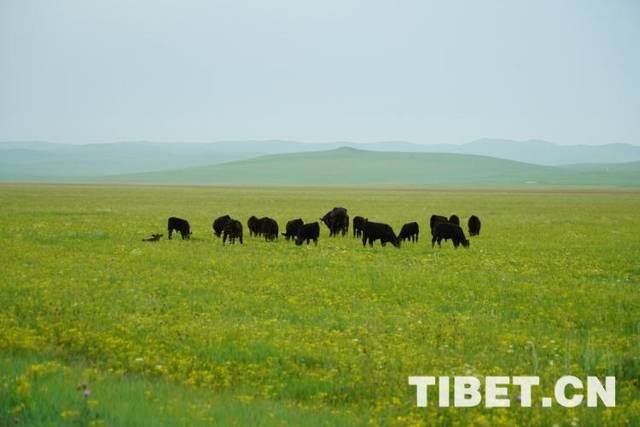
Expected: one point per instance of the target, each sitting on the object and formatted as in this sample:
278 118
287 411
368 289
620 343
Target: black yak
436 219
358 225
180 225
268 228
446 230
409 231
291 230
337 221
232 231
474 225
308 232
377 231
253 224
219 223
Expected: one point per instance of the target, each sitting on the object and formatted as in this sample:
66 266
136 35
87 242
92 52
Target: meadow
194 333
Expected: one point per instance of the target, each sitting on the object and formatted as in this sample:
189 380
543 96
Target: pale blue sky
423 71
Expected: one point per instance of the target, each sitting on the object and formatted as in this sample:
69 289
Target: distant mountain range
489 161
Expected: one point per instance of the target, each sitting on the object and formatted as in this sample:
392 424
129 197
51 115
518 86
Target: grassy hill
348 166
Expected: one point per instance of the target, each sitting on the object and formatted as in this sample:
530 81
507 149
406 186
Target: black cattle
337 221
292 228
358 225
180 225
474 225
268 228
453 219
445 230
232 231
152 238
377 231
253 224
219 223
409 231
308 232
436 219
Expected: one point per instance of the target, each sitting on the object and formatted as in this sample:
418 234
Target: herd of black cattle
337 221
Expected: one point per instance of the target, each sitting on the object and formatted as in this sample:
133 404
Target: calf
292 228
445 230
180 225
219 223
474 225
308 232
232 231
268 228
409 231
377 231
358 225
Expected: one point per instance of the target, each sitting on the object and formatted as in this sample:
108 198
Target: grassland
193 333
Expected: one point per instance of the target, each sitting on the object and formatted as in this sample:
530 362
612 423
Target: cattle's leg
315 242
364 240
433 241
170 231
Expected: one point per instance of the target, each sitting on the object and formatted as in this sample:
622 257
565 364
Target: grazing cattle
474 225
253 224
409 231
268 228
436 219
292 228
180 225
358 225
308 232
152 238
232 231
219 223
446 230
377 231
453 219
336 221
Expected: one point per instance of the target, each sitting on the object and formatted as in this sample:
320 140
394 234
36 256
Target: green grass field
194 333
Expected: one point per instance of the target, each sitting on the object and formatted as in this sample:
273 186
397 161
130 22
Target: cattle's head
465 243
327 219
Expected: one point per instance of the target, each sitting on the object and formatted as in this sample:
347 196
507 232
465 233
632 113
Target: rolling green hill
348 166
44 161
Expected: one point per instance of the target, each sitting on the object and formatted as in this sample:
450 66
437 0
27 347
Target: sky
80 71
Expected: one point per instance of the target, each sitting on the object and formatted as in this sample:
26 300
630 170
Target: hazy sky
424 71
